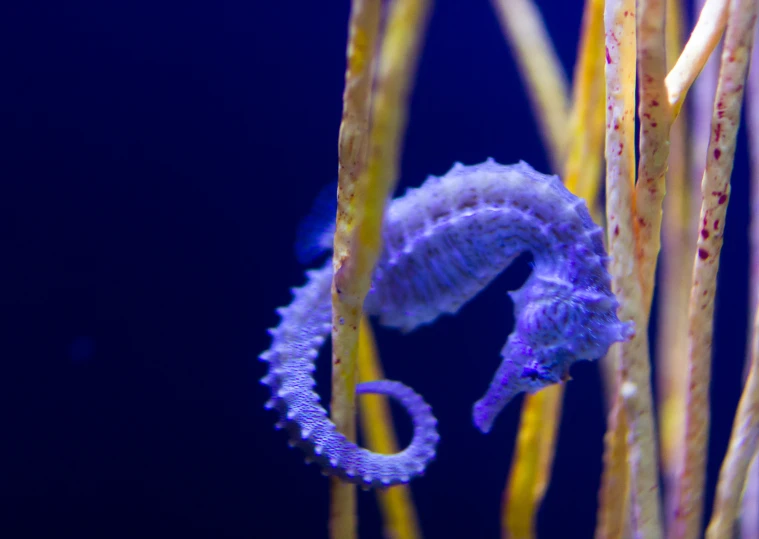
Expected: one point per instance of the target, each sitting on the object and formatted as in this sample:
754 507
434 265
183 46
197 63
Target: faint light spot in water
82 349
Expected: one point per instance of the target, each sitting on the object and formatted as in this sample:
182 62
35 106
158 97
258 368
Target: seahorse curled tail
295 345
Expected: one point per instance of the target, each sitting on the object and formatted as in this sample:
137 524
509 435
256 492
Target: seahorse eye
531 372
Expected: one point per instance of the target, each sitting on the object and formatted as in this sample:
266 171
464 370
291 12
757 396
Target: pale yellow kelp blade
396 504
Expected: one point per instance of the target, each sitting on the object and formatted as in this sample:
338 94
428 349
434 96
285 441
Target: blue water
156 163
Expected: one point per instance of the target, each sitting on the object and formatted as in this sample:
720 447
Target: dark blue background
156 160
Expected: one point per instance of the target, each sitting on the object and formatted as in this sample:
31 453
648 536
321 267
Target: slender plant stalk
750 511
361 203
614 495
749 520
634 369
752 125
541 413
396 504
655 122
704 38
582 171
744 443
676 269
673 404
541 71
531 466
704 89
586 119
586 133
353 145
715 194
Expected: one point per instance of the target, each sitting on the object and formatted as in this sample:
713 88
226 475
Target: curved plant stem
698 49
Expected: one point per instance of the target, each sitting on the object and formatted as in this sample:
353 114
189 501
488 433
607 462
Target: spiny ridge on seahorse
442 244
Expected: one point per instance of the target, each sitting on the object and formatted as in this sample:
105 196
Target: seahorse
443 243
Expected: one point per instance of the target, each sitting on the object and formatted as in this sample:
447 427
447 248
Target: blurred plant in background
585 130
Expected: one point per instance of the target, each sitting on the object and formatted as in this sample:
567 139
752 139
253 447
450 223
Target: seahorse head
558 322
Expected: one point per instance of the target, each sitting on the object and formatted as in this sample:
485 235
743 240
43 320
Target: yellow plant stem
582 170
525 31
634 369
715 193
531 466
541 71
396 505
353 144
362 197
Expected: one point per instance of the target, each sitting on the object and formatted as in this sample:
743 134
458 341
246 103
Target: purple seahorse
443 243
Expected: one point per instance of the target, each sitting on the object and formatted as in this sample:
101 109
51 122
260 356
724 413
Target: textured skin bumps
443 243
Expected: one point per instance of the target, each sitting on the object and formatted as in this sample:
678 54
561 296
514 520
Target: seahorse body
443 243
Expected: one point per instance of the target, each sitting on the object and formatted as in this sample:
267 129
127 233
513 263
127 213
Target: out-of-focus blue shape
316 230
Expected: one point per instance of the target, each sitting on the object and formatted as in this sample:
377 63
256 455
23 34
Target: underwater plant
411 259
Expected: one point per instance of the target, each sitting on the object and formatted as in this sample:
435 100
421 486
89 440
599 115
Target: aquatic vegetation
411 259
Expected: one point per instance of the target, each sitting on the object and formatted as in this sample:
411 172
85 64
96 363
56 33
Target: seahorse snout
483 416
